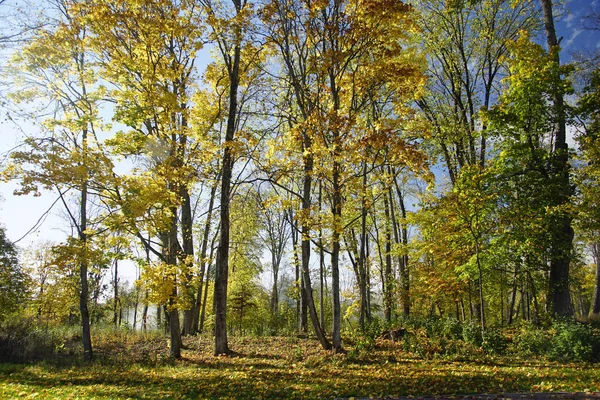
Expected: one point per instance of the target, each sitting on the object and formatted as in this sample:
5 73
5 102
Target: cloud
571 40
571 19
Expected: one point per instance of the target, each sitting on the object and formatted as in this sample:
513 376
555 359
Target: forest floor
137 367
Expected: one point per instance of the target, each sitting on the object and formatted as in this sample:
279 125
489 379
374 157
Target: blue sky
570 26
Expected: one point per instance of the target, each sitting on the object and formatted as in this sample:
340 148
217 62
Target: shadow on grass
234 377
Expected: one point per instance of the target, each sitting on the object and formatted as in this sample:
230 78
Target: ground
137 367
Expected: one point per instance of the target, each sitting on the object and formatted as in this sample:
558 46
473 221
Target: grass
135 366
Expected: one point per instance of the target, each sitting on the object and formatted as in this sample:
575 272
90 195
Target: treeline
419 150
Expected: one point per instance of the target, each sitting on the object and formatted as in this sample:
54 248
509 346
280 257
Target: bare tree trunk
207 280
145 312
170 249
321 264
362 255
335 254
480 285
297 267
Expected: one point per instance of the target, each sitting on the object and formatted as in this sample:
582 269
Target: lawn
136 368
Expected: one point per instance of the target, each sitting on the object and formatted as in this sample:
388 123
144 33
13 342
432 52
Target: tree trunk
387 275
362 255
559 296
170 248
321 264
513 296
275 289
306 206
188 256
222 266
404 271
595 309
83 267
480 285
145 313
335 254
116 295
203 250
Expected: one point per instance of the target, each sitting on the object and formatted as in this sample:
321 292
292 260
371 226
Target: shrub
471 333
531 341
494 341
24 340
573 341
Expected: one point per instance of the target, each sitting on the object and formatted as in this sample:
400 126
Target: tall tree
559 295
229 24
147 53
55 66
466 42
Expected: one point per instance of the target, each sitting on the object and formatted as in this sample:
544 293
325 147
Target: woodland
352 197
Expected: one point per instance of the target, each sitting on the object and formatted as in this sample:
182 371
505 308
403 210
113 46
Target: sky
21 215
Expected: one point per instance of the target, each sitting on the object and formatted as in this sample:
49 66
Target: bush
531 341
494 341
364 341
573 341
24 340
471 333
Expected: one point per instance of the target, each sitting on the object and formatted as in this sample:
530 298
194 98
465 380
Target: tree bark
387 276
306 205
203 250
188 256
559 295
321 264
362 256
116 295
335 254
595 309
83 272
222 265
170 249
404 271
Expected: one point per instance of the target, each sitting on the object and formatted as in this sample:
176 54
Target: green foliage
572 341
364 341
494 341
531 341
13 280
472 334
25 340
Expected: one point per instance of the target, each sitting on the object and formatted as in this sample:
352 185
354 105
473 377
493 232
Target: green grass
135 367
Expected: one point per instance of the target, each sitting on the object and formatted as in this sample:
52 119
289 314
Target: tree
363 57
466 43
13 280
229 32
54 66
147 53
275 236
559 296
587 206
